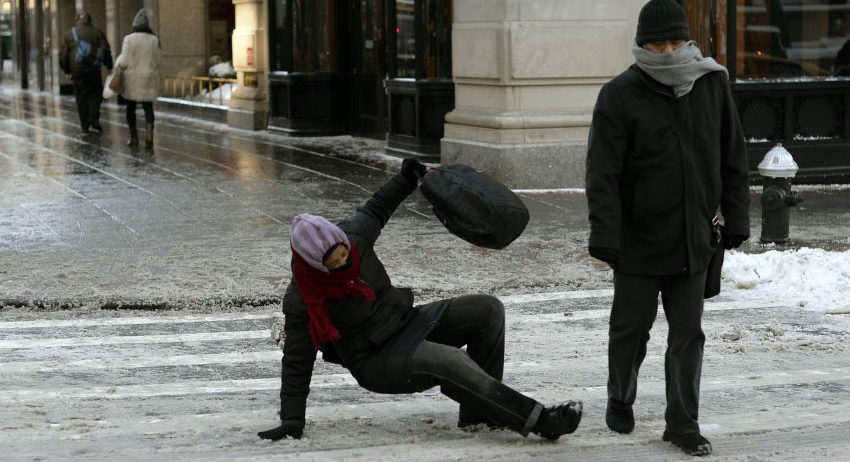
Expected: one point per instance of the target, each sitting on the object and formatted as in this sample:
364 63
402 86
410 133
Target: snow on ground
816 279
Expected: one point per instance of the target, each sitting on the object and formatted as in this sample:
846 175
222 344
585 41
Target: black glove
413 170
283 431
732 241
605 254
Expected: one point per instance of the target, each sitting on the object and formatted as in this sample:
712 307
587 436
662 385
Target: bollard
777 168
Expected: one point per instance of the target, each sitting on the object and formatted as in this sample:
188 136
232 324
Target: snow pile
223 70
816 279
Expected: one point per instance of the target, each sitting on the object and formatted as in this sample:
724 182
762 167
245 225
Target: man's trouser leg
632 315
80 93
95 99
683 307
473 378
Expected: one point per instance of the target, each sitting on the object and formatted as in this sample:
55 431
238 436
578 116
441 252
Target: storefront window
405 39
792 38
313 36
437 47
304 35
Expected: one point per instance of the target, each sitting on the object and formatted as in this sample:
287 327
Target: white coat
140 62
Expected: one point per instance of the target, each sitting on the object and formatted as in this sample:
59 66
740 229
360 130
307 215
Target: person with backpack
341 302
84 51
139 64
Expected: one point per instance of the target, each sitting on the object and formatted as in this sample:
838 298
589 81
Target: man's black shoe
559 420
97 127
693 444
620 420
84 128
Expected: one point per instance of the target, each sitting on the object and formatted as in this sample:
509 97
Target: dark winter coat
658 167
364 326
85 31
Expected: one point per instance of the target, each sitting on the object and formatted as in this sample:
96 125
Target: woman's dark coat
658 167
363 325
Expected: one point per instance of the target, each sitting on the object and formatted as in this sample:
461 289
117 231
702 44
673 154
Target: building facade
507 86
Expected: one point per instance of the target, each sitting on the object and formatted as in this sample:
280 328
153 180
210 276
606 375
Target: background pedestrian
140 63
84 51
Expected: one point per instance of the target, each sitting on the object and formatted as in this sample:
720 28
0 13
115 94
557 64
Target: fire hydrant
777 168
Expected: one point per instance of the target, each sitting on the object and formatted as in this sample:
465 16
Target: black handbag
475 207
715 265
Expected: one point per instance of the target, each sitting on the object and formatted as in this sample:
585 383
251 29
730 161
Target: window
405 31
304 35
423 46
792 38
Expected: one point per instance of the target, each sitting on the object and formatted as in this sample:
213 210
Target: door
367 69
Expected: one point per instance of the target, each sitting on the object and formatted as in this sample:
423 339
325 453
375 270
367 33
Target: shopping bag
117 83
475 207
107 87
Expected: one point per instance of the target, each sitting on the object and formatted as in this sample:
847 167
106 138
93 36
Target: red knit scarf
316 287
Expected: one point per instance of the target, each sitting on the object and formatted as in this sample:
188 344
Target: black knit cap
662 20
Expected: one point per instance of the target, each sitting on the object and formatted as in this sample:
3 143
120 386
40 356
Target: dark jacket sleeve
371 217
299 356
734 170
606 151
107 51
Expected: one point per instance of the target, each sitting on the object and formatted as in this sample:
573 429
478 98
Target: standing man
666 149
84 51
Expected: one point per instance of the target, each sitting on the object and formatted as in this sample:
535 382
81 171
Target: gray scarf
679 69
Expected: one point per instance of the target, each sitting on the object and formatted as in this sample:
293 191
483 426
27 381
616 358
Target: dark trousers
131 112
473 377
88 91
633 313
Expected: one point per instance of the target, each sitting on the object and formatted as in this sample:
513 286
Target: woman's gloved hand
412 169
283 431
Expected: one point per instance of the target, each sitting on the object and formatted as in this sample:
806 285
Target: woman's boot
149 135
134 138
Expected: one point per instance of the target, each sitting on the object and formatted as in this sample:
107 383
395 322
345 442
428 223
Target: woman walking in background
139 64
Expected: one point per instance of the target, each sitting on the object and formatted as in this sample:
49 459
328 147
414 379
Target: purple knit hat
313 236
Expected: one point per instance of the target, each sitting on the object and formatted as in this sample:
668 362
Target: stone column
527 73
248 104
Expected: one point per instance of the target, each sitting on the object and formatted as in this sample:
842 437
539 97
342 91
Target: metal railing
199 89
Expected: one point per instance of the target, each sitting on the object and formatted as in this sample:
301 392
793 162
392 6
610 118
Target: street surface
139 310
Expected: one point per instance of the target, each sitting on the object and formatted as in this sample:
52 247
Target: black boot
693 444
621 420
134 138
149 135
559 420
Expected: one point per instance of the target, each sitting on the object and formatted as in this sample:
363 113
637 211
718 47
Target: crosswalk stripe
124 362
131 339
57 323
748 380
257 334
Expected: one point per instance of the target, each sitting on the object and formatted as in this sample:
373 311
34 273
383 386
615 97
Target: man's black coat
364 326
658 167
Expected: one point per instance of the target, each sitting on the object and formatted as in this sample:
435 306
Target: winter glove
608 255
413 170
733 241
283 431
